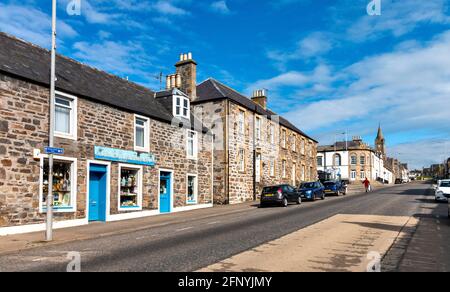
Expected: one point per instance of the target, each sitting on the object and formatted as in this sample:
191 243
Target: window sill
60 210
125 209
192 157
65 136
141 150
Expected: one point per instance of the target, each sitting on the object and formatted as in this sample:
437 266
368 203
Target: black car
312 191
335 188
280 195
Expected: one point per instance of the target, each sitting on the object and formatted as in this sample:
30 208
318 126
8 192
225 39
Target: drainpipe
254 159
227 152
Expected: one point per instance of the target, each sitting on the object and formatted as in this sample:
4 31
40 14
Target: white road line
184 229
215 222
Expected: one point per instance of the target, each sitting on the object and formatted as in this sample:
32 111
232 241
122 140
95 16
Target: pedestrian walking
367 185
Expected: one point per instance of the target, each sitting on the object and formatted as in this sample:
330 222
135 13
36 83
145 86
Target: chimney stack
260 97
173 81
357 139
187 70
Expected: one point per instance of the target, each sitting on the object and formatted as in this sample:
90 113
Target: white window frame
356 159
283 168
321 161
73 186
353 175
272 134
258 128
194 202
258 167
303 147
181 107
241 160
362 160
294 143
146 147
140 170
272 168
362 174
241 122
283 138
73 135
294 175
195 144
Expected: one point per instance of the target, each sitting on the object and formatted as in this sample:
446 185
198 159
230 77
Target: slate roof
32 63
213 90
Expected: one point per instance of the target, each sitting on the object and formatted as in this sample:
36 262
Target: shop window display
62 184
129 188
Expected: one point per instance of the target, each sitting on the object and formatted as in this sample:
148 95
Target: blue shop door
165 183
97 192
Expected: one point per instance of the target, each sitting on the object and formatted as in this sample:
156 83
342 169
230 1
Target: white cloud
220 7
399 18
120 58
407 90
422 153
320 75
31 24
312 46
169 8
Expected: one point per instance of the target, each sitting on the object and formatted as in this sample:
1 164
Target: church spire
380 135
380 141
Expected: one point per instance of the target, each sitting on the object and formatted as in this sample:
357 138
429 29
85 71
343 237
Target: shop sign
124 156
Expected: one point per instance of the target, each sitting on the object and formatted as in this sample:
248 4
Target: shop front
130 180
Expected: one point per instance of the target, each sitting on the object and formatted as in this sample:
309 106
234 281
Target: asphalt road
194 244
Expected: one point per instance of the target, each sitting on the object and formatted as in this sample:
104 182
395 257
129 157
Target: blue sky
329 67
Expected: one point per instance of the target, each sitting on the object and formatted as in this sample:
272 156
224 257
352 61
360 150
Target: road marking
140 238
215 222
438 222
184 229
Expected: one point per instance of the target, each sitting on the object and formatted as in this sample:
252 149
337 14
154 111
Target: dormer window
182 107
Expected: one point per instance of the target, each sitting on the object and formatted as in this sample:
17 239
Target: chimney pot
259 97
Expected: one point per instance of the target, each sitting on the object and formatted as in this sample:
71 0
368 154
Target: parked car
312 191
335 188
280 195
442 193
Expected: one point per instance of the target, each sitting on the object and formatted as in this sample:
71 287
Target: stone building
355 161
351 161
254 147
128 151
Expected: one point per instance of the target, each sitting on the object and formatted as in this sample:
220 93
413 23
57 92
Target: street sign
55 151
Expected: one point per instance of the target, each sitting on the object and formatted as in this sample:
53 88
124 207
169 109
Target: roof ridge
230 88
215 84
